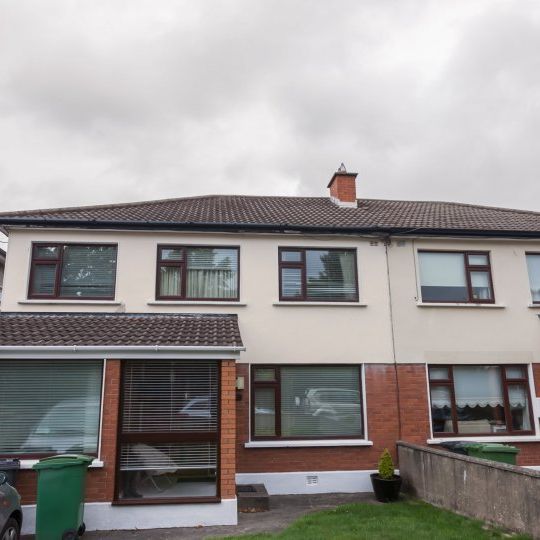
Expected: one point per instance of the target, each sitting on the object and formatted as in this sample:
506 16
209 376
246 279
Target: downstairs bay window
49 407
480 400
306 402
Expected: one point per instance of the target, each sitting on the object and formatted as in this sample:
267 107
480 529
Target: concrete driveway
284 509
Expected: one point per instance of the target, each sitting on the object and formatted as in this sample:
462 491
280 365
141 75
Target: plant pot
386 490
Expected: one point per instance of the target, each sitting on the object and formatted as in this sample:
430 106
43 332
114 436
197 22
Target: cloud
114 101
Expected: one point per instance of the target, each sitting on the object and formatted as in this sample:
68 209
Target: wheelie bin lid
494 447
63 460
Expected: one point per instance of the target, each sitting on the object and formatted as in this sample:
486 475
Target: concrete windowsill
459 305
534 306
29 463
72 302
501 439
194 303
308 443
293 303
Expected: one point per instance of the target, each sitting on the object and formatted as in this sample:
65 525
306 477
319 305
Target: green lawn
409 520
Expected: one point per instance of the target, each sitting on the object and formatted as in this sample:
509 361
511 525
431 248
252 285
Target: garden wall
505 495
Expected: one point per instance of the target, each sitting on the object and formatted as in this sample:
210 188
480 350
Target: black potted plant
386 483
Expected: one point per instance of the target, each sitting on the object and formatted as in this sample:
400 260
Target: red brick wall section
100 482
228 430
413 403
382 430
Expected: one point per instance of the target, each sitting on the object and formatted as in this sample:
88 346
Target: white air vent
401 243
312 480
374 243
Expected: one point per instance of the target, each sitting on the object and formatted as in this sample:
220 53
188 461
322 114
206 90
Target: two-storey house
195 343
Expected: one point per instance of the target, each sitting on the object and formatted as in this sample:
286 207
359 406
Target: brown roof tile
118 329
283 212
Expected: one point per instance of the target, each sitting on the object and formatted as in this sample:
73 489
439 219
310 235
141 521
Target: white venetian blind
330 274
170 396
88 271
320 401
49 406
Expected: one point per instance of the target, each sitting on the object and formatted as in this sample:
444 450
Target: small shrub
386 465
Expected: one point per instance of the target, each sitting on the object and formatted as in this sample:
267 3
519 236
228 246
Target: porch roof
120 330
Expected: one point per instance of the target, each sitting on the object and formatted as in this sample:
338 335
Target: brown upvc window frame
469 269
58 263
182 264
532 254
505 381
302 266
275 385
166 437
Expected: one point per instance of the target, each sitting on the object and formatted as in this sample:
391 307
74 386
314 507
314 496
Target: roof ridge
113 314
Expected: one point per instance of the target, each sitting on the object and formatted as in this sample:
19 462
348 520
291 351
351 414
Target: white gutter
120 351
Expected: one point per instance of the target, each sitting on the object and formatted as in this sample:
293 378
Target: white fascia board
115 351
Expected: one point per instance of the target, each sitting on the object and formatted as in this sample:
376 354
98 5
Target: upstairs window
73 271
533 265
480 400
455 277
318 275
197 273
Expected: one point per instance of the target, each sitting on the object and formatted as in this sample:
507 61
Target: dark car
10 510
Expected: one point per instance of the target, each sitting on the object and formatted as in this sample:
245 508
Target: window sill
74 302
293 303
501 438
195 303
29 463
308 443
534 306
459 305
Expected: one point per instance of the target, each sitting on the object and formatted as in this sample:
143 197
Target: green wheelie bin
60 496
502 453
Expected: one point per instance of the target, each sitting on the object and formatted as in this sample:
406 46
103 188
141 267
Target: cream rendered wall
299 334
509 333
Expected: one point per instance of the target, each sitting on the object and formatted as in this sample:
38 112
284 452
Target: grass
411 520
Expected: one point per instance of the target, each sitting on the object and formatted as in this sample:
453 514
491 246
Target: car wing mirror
3 478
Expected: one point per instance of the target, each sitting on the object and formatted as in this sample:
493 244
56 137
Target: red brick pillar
228 430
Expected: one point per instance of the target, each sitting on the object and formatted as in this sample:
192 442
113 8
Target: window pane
515 372
291 256
170 396
330 275
212 273
43 278
478 260
168 470
533 265
49 406
481 289
291 282
46 252
88 271
519 407
442 277
265 412
172 254
438 373
479 399
265 374
170 281
441 409
320 401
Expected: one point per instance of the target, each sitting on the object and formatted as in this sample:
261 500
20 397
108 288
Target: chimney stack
343 188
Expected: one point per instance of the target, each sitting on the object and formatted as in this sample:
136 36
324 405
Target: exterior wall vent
312 480
374 243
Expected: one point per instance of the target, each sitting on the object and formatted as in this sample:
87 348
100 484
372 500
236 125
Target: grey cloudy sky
108 101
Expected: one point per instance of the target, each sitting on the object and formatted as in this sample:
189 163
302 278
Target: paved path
284 509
